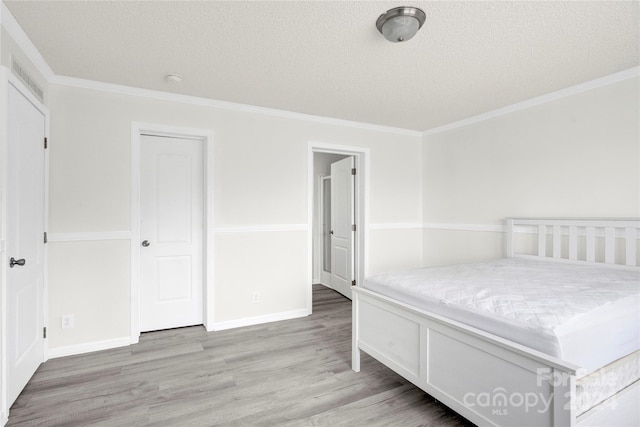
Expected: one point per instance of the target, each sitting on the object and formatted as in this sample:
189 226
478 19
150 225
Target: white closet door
171 231
25 241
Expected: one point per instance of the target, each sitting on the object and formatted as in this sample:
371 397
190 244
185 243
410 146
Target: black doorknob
13 262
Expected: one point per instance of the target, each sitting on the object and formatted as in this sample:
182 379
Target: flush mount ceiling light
401 23
173 78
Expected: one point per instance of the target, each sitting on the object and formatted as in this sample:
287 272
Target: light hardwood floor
289 373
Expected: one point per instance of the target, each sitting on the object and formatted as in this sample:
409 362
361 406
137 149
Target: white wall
396 236
260 178
573 157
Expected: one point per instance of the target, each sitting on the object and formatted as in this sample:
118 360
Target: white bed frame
487 379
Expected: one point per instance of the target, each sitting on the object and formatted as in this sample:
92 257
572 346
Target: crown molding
194 100
207 102
22 39
562 93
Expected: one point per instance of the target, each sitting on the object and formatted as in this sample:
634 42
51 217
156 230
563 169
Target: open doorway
337 262
333 207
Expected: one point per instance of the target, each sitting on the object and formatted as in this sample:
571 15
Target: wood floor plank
290 373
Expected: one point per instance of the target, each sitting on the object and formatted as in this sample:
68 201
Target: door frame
7 79
206 136
361 251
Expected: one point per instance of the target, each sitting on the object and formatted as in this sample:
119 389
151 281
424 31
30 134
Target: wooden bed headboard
609 241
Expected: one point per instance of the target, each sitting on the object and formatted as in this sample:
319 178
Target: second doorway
335 221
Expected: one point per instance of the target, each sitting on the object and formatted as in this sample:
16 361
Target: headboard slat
591 244
542 240
557 241
630 252
573 243
609 245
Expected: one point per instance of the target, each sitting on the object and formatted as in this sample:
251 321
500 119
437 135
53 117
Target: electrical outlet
255 297
68 321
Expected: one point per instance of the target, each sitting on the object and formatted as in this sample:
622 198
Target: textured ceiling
326 58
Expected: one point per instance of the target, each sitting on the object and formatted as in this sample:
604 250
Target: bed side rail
487 379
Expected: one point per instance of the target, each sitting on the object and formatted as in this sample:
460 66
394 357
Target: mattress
588 315
600 385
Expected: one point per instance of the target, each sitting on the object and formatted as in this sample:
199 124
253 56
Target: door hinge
353 227
45 237
353 171
44 332
46 143
353 282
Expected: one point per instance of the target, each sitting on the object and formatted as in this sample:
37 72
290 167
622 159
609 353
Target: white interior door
342 221
25 241
171 231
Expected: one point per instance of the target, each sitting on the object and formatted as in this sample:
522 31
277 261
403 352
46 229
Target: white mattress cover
587 315
600 385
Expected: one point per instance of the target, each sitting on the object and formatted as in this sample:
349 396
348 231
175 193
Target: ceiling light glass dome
401 23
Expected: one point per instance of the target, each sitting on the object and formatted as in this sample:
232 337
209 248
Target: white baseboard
257 320
89 347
